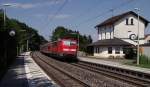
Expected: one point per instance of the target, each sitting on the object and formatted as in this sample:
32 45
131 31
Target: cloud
38 3
25 6
52 16
59 16
51 2
22 5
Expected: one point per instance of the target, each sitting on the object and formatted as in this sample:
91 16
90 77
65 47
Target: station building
117 33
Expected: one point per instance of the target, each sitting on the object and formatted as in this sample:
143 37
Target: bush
130 53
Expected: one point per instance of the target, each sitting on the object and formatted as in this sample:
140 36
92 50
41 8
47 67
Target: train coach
64 48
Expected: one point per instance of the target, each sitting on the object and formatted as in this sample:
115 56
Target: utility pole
78 41
138 62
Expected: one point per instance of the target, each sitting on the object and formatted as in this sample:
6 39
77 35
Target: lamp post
27 43
19 48
138 62
11 33
5 5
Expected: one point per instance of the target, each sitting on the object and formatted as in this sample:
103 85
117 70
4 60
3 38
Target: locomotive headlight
69 49
72 49
65 49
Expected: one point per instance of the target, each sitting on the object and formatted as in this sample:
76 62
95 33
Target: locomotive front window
73 43
66 42
69 42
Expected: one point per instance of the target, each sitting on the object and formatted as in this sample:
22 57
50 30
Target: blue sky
81 15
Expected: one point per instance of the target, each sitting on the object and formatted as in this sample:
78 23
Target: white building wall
99 34
147 40
104 53
121 30
108 31
99 37
112 32
121 50
105 33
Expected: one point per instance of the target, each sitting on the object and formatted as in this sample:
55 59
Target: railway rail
83 74
130 76
62 78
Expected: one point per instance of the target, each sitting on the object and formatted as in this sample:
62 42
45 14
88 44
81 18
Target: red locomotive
65 48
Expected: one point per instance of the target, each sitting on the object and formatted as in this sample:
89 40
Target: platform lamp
5 41
5 5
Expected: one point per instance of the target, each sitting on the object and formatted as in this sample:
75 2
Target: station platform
114 64
26 73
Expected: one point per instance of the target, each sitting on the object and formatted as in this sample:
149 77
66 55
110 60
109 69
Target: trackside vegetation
144 61
10 46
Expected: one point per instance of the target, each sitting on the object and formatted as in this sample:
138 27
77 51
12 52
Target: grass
144 65
144 62
140 65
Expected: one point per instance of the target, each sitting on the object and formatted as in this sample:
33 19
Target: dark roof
146 44
147 35
116 18
110 42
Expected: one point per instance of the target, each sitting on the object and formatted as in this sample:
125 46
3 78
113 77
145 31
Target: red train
65 48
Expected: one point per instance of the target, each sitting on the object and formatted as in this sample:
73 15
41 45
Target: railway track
62 78
81 74
131 79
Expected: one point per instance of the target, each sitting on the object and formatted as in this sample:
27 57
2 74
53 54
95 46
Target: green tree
9 45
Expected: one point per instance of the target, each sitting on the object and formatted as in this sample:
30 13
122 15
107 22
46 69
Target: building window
124 50
109 50
96 50
105 32
132 21
100 50
117 50
127 21
98 31
101 35
110 35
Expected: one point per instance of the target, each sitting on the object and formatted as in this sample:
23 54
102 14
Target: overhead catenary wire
89 10
58 10
105 12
